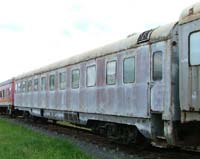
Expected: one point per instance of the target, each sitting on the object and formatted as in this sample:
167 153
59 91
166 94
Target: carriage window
195 48
26 89
3 94
5 91
0 94
129 70
52 82
35 84
23 86
9 92
75 78
29 85
111 72
16 88
43 83
91 76
19 87
62 80
157 66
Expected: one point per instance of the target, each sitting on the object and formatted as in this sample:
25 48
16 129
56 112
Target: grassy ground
18 142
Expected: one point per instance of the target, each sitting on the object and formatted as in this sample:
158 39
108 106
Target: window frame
125 58
45 83
19 87
35 85
189 47
54 87
30 87
115 72
16 88
90 66
72 86
62 82
160 51
3 93
23 85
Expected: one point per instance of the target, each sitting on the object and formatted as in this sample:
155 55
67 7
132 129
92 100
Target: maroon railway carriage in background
7 96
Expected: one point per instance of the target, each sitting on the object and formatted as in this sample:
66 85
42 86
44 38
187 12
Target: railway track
104 144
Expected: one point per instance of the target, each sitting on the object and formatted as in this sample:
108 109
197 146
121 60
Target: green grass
18 142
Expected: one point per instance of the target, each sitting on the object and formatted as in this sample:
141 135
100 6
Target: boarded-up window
195 48
62 80
157 66
91 76
129 70
29 85
75 78
111 72
52 82
43 83
35 84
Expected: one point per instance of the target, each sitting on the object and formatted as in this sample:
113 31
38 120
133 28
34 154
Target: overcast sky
34 33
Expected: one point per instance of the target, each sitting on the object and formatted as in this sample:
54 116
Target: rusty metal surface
133 102
189 75
122 101
84 95
155 107
8 99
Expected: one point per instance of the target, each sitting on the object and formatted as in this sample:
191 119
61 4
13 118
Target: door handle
151 84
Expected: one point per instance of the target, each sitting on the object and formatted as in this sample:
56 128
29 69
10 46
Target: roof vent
145 36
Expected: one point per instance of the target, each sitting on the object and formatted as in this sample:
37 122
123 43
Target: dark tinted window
157 66
43 83
29 85
111 72
129 70
62 80
52 82
35 84
75 78
3 94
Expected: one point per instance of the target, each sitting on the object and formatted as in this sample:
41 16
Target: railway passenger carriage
128 83
147 84
7 96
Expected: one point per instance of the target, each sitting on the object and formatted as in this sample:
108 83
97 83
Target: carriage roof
190 13
157 34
